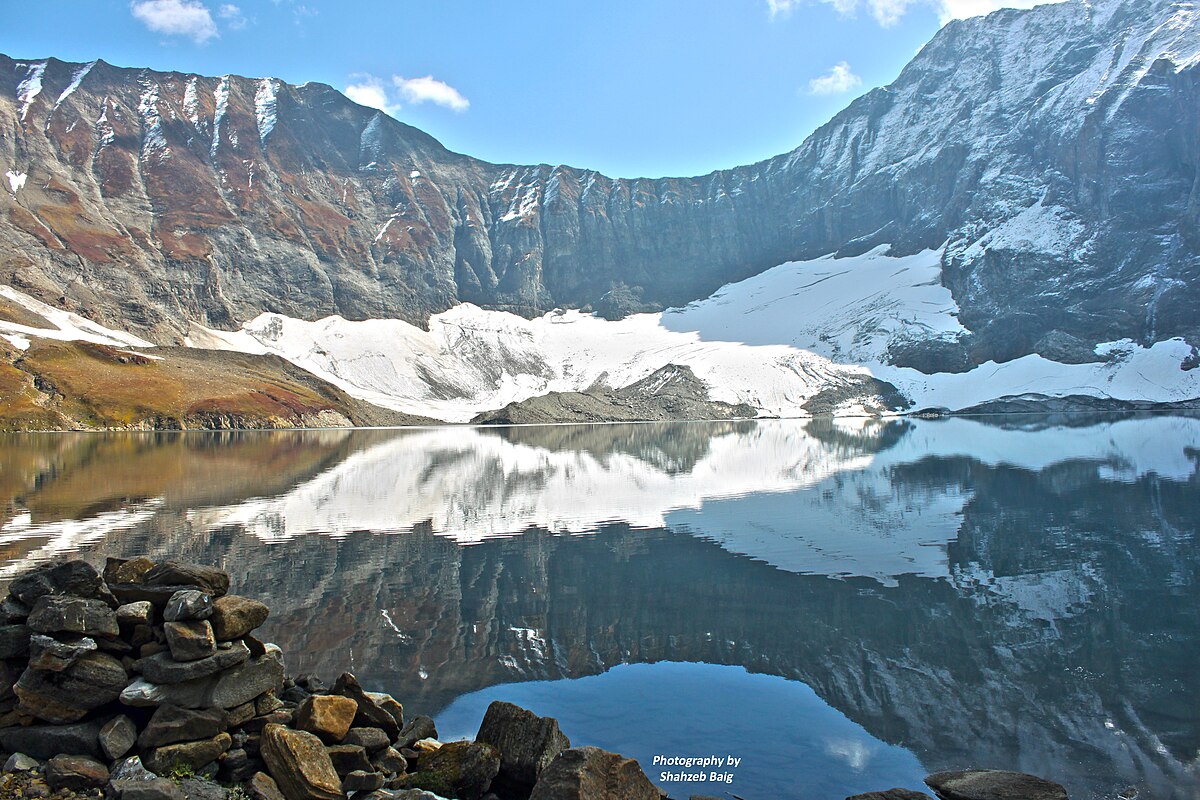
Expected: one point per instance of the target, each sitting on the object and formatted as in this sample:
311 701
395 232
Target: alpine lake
840 606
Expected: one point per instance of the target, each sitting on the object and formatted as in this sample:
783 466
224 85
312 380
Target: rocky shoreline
146 682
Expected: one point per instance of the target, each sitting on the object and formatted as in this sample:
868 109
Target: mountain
1048 158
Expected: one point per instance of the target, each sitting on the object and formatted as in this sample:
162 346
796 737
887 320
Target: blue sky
629 87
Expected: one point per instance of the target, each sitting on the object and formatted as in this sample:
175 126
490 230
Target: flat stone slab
993 784
161 668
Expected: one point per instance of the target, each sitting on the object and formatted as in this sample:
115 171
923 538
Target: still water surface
842 606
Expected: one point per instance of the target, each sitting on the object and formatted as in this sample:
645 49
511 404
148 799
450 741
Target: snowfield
772 341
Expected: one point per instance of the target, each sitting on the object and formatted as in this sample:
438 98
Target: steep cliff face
1053 151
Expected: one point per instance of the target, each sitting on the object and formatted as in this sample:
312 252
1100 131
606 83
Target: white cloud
388 96
370 91
839 79
430 90
176 18
889 12
233 16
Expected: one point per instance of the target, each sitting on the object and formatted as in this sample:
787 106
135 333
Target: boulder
237 766
328 716
92 681
299 764
190 640
347 758
232 687
527 742
362 781
134 614
419 728
192 756
75 578
892 794
75 773
202 789
589 773
49 653
173 573
131 769
13 611
171 724
266 703
19 762
162 668
263 787
188 604
120 570
156 596
152 789
239 715
60 614
370 739
14 640
370 714
47 741
233 617
390 705
459 769
117 737
389 760
993 784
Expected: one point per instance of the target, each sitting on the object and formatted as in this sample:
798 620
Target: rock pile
146 682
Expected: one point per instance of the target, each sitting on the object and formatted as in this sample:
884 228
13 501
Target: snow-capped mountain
1043 163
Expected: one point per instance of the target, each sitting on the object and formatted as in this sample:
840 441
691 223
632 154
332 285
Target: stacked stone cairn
146 682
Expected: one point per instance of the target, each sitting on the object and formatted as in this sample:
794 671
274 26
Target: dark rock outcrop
589 773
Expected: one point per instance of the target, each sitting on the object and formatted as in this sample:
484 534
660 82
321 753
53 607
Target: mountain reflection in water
1019 596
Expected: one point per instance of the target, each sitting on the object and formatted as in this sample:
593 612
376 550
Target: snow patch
30 87
264 107
67 326
221 103
16 180
76 79
154 143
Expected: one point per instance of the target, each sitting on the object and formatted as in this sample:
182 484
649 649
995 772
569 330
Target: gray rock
419 728
589 773
75 578
370 739
117 737
162 668
190 640
194 755
202 789
172 724
55 655
389 704
213 581
347 758
233 617
527 742
14 640
263 787
370 714
992 784
188 604
359 781
133 614
237 766
152 789
60 614
892 794
466 769
75 773
62 697
239 715
389 760
131 769
19 762
47 741
13 611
